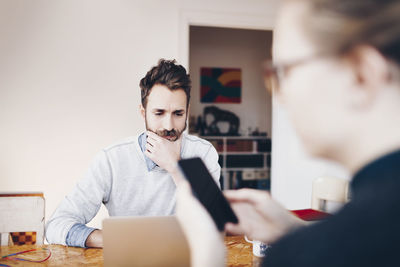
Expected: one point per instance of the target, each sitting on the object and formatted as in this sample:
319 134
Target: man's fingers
149 147
149 143
153 136
153 139
149 155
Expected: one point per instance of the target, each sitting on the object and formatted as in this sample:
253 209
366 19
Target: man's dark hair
166 73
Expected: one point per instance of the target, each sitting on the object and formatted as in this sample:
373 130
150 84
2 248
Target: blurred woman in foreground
337 67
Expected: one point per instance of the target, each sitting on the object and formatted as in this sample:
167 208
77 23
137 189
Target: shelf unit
245 160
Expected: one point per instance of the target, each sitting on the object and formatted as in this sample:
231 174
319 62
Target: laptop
144 241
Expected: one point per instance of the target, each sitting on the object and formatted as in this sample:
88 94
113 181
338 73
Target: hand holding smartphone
207 192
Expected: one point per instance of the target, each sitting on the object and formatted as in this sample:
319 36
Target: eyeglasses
274 74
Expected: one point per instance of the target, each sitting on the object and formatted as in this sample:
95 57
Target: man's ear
142 111
371 71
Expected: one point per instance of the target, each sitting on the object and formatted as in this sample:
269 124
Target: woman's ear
371 70
371 66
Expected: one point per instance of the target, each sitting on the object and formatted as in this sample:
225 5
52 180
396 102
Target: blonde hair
340 25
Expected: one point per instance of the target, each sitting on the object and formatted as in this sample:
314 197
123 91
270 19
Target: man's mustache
170 133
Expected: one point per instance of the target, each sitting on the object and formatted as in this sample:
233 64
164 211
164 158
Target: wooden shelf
258 160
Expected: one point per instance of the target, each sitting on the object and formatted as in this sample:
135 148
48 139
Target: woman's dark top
365 232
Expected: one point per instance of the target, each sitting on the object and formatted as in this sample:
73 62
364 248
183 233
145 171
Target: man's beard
170 135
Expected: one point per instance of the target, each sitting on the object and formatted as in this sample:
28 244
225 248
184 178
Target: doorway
245 154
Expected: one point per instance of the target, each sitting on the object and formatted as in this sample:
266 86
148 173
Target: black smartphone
207 191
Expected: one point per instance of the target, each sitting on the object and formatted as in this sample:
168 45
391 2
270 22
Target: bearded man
135 177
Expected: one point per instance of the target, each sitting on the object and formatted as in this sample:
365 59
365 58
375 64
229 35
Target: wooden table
239 254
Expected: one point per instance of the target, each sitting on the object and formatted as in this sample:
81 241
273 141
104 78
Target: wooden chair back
21 218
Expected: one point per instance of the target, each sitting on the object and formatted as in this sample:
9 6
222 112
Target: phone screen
207 191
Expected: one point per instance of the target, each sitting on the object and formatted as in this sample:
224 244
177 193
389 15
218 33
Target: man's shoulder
195 140
195 145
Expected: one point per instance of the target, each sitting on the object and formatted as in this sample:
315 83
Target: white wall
69 75
293 170
234 48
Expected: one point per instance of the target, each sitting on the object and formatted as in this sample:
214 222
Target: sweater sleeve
78 234
83 203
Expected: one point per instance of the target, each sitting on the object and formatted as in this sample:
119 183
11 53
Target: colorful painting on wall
220 85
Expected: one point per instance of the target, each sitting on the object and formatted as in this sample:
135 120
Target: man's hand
163 152
95 239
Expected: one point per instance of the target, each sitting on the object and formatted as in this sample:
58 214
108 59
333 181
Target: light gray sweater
119 178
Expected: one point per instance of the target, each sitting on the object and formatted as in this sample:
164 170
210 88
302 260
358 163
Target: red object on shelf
310 214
